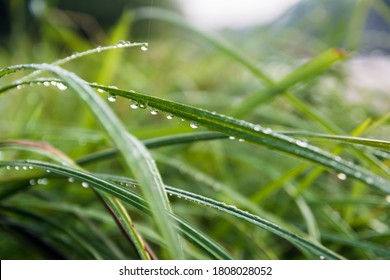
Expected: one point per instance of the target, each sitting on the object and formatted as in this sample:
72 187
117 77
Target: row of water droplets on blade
121 44
43 181
45 82
144 105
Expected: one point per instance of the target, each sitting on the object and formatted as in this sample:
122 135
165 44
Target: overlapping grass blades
256 134
127 195
133 151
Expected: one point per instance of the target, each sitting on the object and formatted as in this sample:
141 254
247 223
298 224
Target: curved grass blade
133 151
114 205
198 238
232 210
132 198
255 134
379 144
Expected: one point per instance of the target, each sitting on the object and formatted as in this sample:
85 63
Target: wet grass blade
128 196
133 151
255 134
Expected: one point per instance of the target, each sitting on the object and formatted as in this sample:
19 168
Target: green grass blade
115 206
126 223
374 143
232 210
255 134
133 151
128 196
197 237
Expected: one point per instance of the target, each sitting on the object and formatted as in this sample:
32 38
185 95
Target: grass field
190 145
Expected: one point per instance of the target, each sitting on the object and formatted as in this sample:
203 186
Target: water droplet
267 130
8 167
337 158
25 167
342 176
142 105
46 84
194 125
32 182
48 171
61 86
100 90
388 198
133 105
257 128
170 117
302 143
71 180
43 181
144 47
19 86
111 98
322 258
369 180
30 167
241 140
16 167
121 44
153 111
53 83
84 185
232 138
98 48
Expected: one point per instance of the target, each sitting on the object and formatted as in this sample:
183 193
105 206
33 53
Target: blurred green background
182 66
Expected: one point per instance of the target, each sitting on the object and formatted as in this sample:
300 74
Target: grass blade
134 152
128 196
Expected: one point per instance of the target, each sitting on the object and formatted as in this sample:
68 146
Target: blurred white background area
233 14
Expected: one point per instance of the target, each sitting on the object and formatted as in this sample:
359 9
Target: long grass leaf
133 151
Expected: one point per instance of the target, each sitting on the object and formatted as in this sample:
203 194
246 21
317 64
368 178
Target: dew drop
232 138
342 176
144 47
8 167
369 180
98 48
322 258
267 130
46 84
17 168
100 90
111 98
302 143
53 83
133 105
61 86
43 181
48 171
84 185
257 128
194 125
19 86
71 180
388 198
121 44
142 105
30 167
241 140
32 182
153 111
170 117
25 167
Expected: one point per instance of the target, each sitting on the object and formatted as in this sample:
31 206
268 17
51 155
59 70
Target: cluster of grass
188 149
